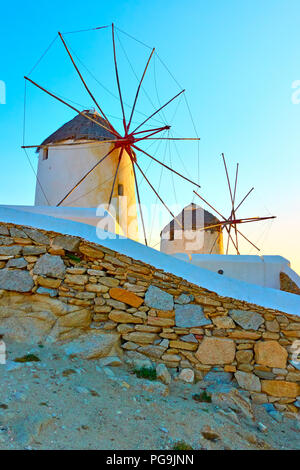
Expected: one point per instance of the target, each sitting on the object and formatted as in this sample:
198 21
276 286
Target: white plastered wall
260 270
66 165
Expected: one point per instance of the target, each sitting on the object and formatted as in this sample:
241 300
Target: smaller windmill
230 223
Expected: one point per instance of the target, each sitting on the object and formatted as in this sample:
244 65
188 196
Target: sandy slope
60 403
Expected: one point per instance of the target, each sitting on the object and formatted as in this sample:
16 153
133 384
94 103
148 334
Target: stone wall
55 288
288 285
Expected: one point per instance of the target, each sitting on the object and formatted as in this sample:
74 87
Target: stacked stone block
55 287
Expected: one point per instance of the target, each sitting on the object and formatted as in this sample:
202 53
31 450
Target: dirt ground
62 403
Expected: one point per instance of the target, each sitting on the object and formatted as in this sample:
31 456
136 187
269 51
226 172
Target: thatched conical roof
199 214
80 128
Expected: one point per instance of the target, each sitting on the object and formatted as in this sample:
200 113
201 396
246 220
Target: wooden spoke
166 104
212 207
257 219
224 220
232 211
84 177
249 192
85 85
140 206
229 236
228 181
175 138
164 128
228 239
89 29
115 177
70 106
138 90
220 224
236 239
214 243
117 77
235 184
252 219
156 193
53 144
248 240
232 222
146 137
166 166
233 202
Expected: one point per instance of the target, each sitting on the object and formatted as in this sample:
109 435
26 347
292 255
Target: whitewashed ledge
222 285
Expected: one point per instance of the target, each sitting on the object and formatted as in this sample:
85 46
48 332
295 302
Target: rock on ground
93 345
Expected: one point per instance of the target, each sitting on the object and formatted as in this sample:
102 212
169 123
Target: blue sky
236 59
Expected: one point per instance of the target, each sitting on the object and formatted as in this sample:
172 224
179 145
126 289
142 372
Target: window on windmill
171 236
45 153
194 216
120 190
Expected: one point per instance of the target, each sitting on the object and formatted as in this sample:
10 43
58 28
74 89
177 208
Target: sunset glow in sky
239 62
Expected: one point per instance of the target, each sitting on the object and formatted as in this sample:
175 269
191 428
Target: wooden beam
59 144
139 202
85 85
84 177
117 77
138 90
166 104
70 106
115 177
166 166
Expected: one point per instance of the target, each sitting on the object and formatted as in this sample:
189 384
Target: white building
68 154
186 234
